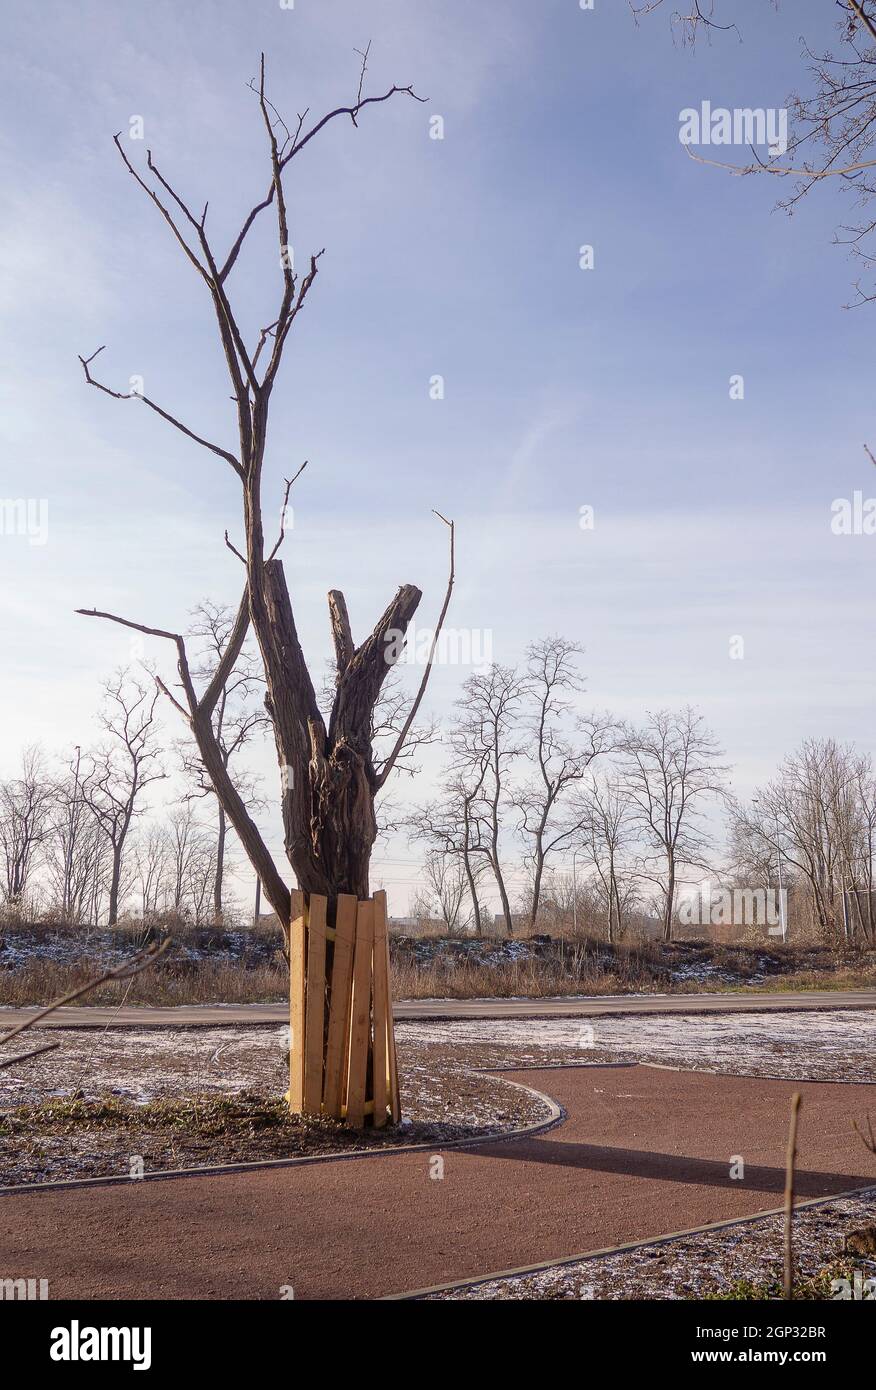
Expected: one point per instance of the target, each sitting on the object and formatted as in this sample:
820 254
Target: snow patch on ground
143 1064
718 1042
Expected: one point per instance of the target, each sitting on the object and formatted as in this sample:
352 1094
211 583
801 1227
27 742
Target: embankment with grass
205 965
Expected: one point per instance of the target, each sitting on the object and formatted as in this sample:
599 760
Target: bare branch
345 647
782 170
289 482
141 961
171 419
412 714
297 144
234 550
199 720
202 270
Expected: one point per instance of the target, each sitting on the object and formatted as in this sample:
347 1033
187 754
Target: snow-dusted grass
146 1064
831 1045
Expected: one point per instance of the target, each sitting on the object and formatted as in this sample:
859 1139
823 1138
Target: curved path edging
623 1248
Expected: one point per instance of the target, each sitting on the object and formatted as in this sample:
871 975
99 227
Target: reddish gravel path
642 1152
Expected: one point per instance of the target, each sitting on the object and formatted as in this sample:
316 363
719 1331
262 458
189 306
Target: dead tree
327 774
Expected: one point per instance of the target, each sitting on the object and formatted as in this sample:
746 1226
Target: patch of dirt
185 1098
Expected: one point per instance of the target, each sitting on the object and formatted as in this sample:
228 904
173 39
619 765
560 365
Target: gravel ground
103 1099
700 1266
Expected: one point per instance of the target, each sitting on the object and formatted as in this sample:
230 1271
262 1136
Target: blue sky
457 257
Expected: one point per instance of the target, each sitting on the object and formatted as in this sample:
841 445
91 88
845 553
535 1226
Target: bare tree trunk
536 890
503 894
115 880
220 865
473 893
669 903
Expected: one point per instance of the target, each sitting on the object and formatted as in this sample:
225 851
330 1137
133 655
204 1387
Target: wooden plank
339 1008
382 1021
394 1097
296 1004
360 1016
315 1004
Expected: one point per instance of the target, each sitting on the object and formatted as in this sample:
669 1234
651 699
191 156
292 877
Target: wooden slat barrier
342 1062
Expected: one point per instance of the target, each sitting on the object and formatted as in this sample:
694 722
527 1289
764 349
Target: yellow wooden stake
382 1019
360 1018
339 1008
296 1003
315 1005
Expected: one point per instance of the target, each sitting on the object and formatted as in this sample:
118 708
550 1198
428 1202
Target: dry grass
211 965
170 982
534 978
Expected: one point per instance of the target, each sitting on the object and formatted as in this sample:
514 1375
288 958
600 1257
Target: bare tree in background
151 857
485 743
122 769
548 825
235 720
26 807
327 773
444 892
201 877
77 864
670 772
818 813
183 834
605 813
449 825
73 819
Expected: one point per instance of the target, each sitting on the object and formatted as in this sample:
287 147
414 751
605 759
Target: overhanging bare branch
412 714
171 419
